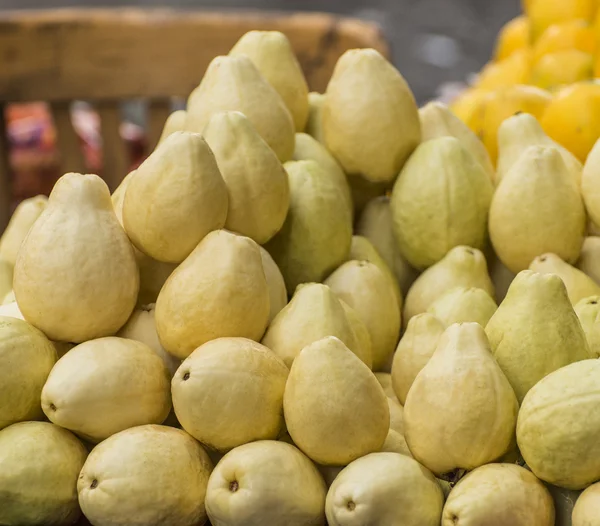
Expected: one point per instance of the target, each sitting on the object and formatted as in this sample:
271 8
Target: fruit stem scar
351 505
233 486
52 407
186 376
94 484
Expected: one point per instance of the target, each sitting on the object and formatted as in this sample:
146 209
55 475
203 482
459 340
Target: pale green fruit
175 122
462 304
219 290
141 327
535 330
589 259
517 133
314 123
334 407
499 495
145 476
314 312
266 482
107 385
367 290
558 426
385 380
6 280
257 184
25 214
76 277
229 391
316 236
384 489
364 191
587 508
536 191
588 312
38 480
414 351
272 54
175 198
278 297
26 358
437 120
370 118
308 148
233 83
440 200
461 267
564 502
590 181
118 196
375 224
461 411
362 333
579 285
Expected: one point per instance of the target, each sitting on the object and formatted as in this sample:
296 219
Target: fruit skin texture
277 292
589 259
38 481
590 182
460 411
558 426
272 54
335 409
587 311
533 193
499 495
587 508
370 119
107 385
461 267
365 288
119 482
266 471
462 305
60 258
513 36
513 70
384 489
219 290
573 34
233 83
257 184
535 330
26 358
316 236
175 198
440 200
545 13
562 68
229 392
314 124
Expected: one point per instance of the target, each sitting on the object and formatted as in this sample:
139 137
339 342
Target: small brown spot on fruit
52 407
351 505
186 376
94 484
234 486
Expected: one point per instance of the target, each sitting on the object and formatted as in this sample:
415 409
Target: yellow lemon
562 68
467 102
508 72
574 34
544 13
512 37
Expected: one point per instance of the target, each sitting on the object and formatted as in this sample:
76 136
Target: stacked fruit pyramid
307 309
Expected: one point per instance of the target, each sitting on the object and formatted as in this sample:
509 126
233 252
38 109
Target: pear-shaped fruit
219 290
118 196
463 304
370 119
6 279
257 184
385 380
384 489
376 225
175 122
588 312
272 54
38 480
558 426
278 297
145 476
589 259
361 331
314 123
252 475
334 407
590 183
175 198
141 327
517 133
461 267
308 148
499 495
440 200
535 330
578 284
314 312
233 83
461 411
26 358
437 120
229 392
76 276
22 219
317 233
367 290
587 508
521 228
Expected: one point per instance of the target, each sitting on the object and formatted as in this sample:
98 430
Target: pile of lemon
546 63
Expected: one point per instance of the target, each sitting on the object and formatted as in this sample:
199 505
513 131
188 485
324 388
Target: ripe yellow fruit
562 68
467 102
512 70
574 34
544 13
573 118
513 36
